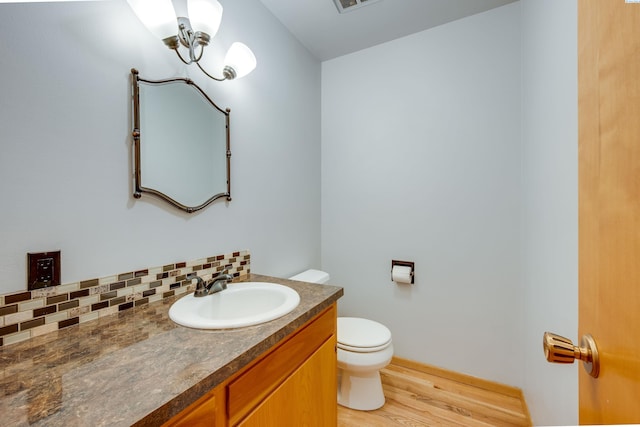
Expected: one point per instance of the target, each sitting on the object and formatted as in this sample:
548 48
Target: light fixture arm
193 40
190 39
228 73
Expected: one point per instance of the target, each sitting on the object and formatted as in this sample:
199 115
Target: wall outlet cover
43 270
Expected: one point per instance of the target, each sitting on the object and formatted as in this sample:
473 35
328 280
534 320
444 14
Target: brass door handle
559 349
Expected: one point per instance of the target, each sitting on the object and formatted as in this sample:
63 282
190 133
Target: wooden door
609 206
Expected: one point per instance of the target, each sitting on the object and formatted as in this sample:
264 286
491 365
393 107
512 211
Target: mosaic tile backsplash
24 315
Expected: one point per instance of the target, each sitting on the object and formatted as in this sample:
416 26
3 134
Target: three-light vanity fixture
193 33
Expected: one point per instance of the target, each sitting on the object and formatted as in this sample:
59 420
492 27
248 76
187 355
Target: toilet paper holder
409 264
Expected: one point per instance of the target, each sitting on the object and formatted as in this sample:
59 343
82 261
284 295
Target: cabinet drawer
206 411
248 390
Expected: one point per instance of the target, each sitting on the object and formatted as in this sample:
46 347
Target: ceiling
328 34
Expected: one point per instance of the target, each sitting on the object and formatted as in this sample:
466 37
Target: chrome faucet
216 284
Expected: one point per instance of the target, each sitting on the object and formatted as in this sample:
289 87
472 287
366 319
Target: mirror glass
181 143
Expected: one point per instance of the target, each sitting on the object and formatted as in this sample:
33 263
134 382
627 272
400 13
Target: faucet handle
200 286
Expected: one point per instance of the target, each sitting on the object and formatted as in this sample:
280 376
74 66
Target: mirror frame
139 189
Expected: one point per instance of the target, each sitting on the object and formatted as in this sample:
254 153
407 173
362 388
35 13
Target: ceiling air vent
349 5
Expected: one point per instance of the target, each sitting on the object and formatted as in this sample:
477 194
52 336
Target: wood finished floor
415 399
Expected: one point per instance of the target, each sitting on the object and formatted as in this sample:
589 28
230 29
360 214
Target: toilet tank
312 276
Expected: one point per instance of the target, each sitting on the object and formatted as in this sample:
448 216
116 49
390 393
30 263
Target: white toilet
364 347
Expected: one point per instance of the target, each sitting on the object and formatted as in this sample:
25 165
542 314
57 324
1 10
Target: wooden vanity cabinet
292 384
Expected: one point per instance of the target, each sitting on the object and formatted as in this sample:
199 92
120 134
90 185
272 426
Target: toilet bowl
364 347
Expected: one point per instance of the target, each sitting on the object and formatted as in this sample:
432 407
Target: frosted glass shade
157 15
241 59
205 15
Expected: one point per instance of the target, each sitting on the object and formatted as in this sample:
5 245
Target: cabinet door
307 398
259 381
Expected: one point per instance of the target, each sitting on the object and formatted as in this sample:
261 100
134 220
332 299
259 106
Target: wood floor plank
394 414
434 410
415 398
466 390
471 413
477 408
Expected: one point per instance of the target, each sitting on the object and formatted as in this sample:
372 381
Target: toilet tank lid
312 276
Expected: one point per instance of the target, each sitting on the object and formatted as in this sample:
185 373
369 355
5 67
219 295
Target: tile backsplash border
28 314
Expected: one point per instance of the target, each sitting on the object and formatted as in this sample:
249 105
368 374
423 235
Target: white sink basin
241 304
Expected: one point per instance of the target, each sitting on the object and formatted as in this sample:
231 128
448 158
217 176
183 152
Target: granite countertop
136 367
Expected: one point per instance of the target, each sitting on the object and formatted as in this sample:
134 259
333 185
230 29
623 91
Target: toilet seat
362 335
363 349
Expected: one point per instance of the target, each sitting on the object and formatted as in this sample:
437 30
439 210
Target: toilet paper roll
401 274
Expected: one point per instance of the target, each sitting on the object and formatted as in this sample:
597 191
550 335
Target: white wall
421 152
550 204
65 166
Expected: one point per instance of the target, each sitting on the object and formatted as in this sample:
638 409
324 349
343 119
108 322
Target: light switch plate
43 270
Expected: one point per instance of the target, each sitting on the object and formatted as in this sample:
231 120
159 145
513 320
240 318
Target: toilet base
360 390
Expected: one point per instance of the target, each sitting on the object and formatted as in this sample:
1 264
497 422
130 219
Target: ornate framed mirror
181 143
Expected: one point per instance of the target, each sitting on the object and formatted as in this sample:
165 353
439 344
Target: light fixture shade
205 15
241 59
157 15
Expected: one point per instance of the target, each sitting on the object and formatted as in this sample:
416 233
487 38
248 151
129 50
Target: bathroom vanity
139 368
295 380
